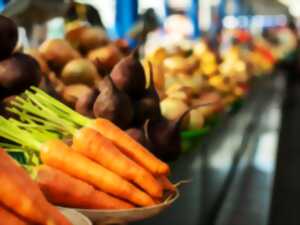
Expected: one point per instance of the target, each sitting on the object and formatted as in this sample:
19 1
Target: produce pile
106 157
188 77
100 79
153 100
75 160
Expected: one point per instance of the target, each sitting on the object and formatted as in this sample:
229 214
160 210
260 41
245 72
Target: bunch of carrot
21 201
105 167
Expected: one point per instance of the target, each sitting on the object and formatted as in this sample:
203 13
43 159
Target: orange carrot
166 183
58 155
92 144
9 218
64 190
130 147
21 195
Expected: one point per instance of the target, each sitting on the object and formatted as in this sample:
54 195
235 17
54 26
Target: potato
173 108
57 53
196 119
73 92
80 71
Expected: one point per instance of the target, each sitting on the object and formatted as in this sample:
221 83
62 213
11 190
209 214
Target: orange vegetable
56 185
9 218
58 155
92 144
130 147
166 183
21 195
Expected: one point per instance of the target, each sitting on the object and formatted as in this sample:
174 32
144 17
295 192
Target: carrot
9 218
130 147
45 109
56 185
57 154
166 183
92 144
20 194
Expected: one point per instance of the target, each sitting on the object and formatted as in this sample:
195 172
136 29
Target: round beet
8 36
129 75
148 107
113 104
17 73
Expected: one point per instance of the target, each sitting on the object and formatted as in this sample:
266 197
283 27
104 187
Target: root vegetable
9 218
85 103
148 106
87 38
129 76
113 104
196 119
108 56
137 134
80 71
173 108
17 73
164 137
20 194
39 58
60 156
130 147
73 92
57 53
8 36
90 143
56 184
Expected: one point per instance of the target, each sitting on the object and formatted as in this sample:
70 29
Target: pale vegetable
196 119
173 108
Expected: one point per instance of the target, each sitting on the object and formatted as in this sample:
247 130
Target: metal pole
237 7
193 14
126 15
166 8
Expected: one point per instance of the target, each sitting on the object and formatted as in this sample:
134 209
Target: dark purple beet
113 104
137 134
148 107
6 102
129 76
17 73
48 87
101 68
8 36
163 136
85 103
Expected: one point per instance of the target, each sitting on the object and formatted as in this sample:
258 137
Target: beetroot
17 73
113 104
8 36
129 75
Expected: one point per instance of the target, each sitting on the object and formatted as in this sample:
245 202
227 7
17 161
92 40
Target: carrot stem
80 120
13 133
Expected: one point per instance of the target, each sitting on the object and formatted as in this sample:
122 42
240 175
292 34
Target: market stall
151 127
